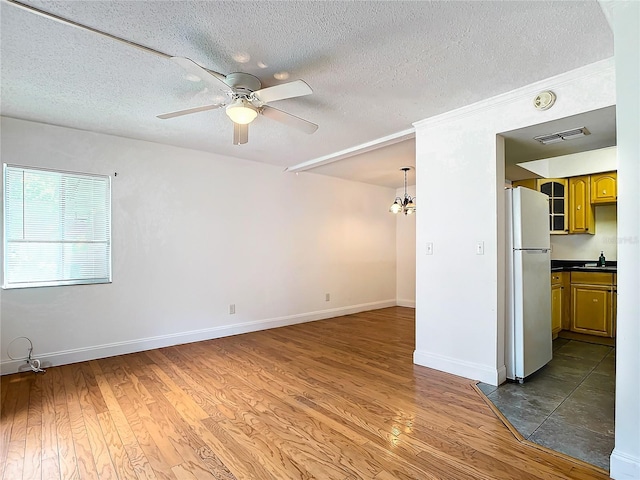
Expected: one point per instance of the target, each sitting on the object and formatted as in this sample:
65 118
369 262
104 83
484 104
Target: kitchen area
583 225
566 402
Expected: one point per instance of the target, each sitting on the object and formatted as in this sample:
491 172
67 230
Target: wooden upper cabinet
530 183
572 200
556 189
604 188
581 218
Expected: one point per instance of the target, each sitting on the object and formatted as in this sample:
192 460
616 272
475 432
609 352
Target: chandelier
407 204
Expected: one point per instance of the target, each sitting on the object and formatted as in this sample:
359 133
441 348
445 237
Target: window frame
60 281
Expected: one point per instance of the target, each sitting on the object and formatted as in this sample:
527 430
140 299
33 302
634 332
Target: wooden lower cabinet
614 307
592 305
556 309
559 319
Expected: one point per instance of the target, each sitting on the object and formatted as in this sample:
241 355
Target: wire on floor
34 363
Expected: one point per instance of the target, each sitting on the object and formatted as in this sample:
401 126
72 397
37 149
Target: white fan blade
240 133
179 113
280 92
288 119
200 73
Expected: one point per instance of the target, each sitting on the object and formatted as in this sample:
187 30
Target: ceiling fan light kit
406 204
241 111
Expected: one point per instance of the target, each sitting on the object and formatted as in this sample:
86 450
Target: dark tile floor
568 405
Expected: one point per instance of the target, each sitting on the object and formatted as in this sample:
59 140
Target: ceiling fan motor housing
243 82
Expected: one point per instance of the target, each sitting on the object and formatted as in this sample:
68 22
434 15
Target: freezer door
530 216
532 311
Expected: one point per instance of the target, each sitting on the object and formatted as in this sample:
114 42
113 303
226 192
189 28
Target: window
57 228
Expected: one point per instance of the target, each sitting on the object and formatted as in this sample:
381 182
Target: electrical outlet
429 248
479 248
232 309
327 297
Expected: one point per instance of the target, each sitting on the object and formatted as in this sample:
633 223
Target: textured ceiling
375 67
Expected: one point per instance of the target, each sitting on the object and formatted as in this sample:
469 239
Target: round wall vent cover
544 100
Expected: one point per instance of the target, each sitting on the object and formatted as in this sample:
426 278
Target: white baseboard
406 303
121 348
623 466
472 371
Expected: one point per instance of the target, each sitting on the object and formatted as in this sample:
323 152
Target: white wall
406 253
588 247
193 233
460 183
625 459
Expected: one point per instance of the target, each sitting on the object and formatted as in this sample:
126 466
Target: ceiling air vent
546 139
562 136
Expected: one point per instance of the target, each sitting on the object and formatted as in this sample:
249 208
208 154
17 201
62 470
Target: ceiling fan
245 99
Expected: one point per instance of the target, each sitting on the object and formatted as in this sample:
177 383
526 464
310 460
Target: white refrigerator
528 301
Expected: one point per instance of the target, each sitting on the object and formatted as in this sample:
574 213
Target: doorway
568 405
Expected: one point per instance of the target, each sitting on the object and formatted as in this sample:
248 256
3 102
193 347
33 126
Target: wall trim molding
602 67
391 139
95 352
406 303
624 466
470 370
502 375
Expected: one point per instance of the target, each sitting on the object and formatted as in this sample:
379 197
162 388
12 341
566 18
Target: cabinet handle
595 300
578 207
604 192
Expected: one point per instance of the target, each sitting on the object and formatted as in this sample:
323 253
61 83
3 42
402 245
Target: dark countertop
579 266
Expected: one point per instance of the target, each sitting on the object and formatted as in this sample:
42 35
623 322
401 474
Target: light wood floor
334 399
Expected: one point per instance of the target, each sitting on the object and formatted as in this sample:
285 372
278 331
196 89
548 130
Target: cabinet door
530 183
581 219
556 189
614 312
604 188
556 308
591 309
566 295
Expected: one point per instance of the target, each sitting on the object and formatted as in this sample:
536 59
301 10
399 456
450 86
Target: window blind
57 228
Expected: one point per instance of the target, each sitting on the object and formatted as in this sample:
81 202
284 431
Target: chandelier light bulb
396 207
